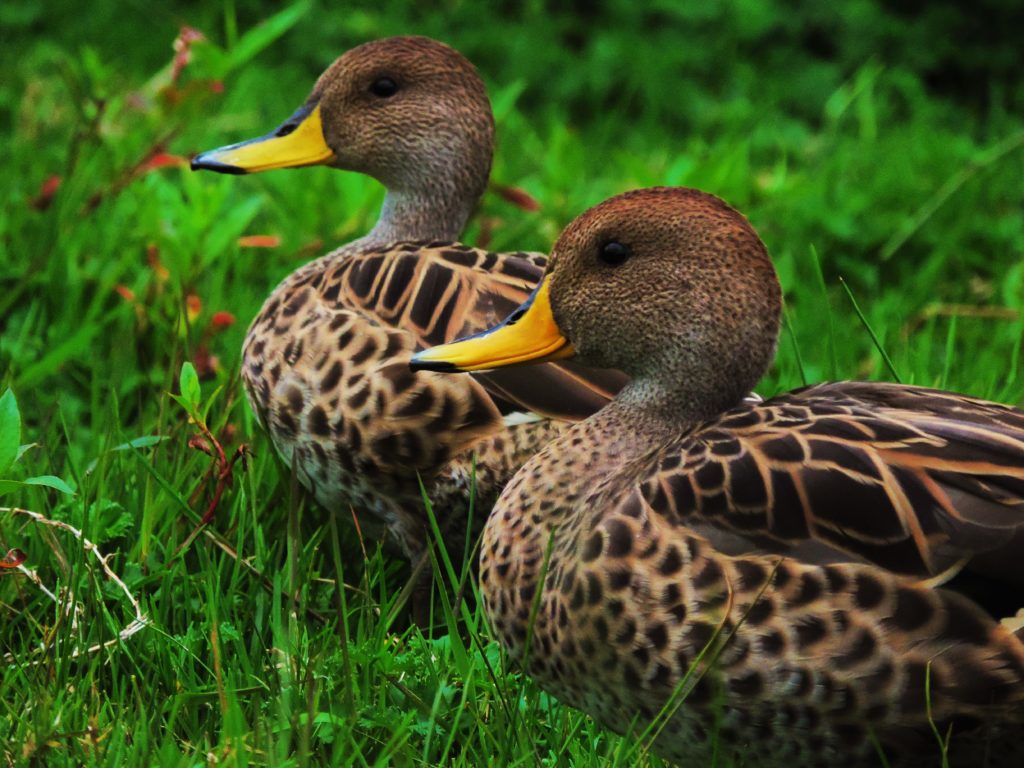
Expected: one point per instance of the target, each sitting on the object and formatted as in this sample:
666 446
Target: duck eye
384 87
613 253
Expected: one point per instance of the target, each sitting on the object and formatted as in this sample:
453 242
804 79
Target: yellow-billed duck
325 362
796 570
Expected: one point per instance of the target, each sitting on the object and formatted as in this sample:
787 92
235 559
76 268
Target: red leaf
517 196
125 292
13 558
159 160
222 319
193 307
182 54
153 259
199 443
229 433
206 365
259 241
46 192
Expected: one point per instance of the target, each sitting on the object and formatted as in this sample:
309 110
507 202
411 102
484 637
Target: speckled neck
670 403
623 432
553 495
418 215
404 217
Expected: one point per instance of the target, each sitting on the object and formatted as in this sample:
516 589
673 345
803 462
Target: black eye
384 87
613 253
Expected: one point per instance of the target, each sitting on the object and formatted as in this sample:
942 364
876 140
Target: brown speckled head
408 111
675 288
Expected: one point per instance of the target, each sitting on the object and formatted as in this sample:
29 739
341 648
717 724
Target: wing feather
438 292
909 478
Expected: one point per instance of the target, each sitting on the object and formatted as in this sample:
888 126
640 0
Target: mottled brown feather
877 467
767 563
325 361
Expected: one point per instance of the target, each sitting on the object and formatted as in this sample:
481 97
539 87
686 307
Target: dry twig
135 626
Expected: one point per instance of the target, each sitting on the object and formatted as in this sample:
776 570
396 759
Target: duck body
325 362
325 368
771 583
792 650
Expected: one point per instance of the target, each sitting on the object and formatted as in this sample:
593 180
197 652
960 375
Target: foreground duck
777 565
325 362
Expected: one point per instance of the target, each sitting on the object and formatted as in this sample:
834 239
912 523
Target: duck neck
644 417
662 403
618 436
419 215
552 498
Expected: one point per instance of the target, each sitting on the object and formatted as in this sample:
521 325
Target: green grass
891 201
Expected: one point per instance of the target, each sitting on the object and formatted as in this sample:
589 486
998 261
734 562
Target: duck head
408 111
669 285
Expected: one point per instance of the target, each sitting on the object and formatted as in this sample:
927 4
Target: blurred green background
877 146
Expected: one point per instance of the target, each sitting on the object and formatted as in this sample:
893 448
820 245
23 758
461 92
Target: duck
809 580
325 361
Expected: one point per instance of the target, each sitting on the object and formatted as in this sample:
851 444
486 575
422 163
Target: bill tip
439 366
204 162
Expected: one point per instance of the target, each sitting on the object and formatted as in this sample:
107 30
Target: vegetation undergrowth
882 168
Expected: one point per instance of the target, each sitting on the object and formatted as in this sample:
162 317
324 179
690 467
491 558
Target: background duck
325 362
777 563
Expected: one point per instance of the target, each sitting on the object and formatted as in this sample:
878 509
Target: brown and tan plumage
941 473
325 362
796 570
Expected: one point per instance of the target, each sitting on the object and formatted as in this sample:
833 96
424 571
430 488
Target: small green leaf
263 34
146 441
50 481
228 631
140 442
10 430
45 481
189 385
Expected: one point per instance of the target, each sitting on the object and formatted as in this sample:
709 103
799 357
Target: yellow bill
528 335
298 141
